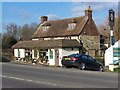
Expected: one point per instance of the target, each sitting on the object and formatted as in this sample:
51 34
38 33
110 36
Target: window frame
91 58
84 57
45 28
71 26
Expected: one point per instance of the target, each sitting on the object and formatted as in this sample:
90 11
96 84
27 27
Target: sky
21 13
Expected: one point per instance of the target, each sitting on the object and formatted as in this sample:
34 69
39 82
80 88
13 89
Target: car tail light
74 59
63 57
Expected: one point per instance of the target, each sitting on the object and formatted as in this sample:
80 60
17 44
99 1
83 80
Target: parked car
82 62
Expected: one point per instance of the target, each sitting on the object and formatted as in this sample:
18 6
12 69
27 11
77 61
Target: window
72 49
51 54
28 52
45 28
74 55
18 53
90 58
101 36
84 57
71 26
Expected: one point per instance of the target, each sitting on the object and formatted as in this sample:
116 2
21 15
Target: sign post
111 23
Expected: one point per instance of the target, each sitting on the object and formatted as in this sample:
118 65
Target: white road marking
28 80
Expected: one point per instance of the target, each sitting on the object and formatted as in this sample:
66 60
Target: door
56 57
92 62
85 60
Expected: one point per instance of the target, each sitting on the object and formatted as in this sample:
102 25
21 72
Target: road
28 76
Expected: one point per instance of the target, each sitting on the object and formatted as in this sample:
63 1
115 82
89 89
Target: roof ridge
65 19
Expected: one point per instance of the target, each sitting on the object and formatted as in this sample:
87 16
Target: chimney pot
43 19
88 12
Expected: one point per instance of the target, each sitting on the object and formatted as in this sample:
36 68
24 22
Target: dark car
82 62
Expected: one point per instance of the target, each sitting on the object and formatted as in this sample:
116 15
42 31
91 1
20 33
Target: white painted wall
16 52
38 54
35 39
60 56
106 45
33 56
109 54
22 53
59 38
51 61
68 51
47 38
74 37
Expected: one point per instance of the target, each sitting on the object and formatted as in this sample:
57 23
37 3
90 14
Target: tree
12 29
15 32
0 41
0 45
105 29
9 38
116 30
26 31
8 41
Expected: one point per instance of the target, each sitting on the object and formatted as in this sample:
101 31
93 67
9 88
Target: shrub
100 59
4 59
117 69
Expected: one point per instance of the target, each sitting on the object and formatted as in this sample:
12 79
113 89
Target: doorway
56 57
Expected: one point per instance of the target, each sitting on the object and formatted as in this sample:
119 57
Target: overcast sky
21 13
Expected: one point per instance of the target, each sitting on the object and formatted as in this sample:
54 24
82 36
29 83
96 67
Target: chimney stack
43 19
88 13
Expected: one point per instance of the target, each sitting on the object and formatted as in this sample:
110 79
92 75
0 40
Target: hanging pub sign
111 18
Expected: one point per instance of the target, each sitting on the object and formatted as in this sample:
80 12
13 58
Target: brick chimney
88 13
43 19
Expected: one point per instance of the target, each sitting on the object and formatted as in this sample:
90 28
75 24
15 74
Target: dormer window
71 26
45 28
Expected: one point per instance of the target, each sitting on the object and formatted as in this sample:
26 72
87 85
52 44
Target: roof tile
47 44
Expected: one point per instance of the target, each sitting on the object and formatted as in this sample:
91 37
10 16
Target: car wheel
82 66
100 68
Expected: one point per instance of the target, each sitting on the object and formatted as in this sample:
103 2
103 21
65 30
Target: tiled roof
47 44
60 27
104 32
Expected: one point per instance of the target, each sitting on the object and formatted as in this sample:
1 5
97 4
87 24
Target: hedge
117 69
100 59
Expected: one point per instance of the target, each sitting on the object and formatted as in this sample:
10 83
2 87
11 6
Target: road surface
28 76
